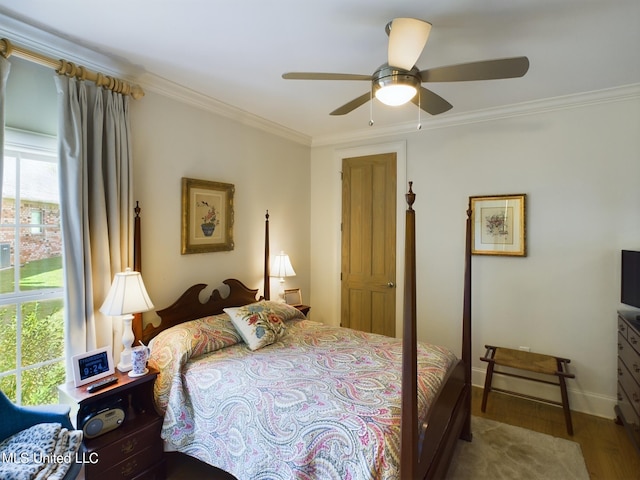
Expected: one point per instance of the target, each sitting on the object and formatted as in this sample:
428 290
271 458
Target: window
36 221
31 281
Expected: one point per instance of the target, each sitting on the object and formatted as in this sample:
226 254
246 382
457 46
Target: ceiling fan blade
431 102
407 38
484 70
352 105
324 76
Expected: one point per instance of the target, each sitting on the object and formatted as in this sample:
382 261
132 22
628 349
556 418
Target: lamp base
124 365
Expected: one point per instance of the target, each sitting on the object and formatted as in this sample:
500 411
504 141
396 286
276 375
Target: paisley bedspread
320 403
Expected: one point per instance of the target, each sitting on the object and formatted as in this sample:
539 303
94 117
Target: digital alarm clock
91 366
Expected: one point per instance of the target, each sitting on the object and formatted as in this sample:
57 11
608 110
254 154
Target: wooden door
368 269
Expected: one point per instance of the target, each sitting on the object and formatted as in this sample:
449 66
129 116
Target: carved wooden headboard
188 306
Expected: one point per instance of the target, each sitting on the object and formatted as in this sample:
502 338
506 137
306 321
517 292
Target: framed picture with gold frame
499 225
207 216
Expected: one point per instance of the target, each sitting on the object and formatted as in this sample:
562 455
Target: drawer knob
620 398
633 340
635 397
619 372
129 446
620 347
129 468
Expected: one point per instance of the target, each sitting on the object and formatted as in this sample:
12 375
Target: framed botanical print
498 225
207 216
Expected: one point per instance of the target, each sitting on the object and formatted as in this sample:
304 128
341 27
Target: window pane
8 387
38 181
40 259
7 274
9 190
42 331
7 338
40 385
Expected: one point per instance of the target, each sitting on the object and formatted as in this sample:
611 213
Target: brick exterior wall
46 242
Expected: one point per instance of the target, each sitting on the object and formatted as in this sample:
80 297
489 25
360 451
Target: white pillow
257 323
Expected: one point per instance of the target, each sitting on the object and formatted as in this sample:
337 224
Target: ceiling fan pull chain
371 107
419 109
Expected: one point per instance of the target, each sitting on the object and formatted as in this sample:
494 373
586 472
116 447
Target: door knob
391 284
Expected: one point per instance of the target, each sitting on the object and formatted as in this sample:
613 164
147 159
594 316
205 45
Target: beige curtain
96 205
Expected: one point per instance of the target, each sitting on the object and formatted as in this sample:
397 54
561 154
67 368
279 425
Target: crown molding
626 92
57 46
154 83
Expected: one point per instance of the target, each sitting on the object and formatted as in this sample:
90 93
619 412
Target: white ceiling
236 51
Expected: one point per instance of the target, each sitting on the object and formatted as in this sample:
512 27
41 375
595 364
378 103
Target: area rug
501 451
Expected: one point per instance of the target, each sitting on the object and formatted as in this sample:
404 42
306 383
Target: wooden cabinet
133 450
628 406
303 308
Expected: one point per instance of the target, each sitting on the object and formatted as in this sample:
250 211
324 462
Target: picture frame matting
499 225
207 216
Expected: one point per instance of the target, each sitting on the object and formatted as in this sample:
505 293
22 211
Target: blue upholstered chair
14 419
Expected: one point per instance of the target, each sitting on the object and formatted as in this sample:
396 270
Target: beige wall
579 164
172 140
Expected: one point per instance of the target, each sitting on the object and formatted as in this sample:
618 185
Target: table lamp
282 267
126 296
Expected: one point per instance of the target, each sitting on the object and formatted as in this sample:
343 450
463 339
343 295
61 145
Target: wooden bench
530 362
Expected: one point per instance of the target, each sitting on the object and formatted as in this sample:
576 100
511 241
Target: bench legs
487 385
565 404
561 372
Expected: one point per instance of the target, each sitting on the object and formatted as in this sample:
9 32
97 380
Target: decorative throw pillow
257 323
283 310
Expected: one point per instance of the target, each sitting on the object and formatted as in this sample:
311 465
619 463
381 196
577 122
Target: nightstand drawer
129 447
133 465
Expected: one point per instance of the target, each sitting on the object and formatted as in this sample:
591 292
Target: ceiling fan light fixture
396 94
395 87
407 38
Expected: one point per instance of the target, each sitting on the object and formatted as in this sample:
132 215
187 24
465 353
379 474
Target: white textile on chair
43 451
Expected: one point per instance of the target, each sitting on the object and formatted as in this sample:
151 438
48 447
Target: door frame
400 149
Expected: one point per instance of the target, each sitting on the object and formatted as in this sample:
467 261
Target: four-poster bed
415 434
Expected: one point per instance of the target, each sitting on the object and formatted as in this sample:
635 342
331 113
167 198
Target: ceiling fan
399 81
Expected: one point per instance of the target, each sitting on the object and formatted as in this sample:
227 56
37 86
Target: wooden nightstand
132 450
303 308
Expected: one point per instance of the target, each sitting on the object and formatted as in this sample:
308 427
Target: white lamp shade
127 295
282 267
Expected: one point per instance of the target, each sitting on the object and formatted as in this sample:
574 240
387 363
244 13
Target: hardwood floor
608 452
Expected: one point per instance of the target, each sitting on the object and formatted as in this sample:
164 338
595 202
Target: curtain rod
63 67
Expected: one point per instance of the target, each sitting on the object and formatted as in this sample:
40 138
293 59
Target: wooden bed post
409 420
137 265
267 273
466 324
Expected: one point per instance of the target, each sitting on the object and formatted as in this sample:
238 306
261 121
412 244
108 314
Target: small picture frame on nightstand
91 366
292 296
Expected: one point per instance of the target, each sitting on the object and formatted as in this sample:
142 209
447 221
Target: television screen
630 284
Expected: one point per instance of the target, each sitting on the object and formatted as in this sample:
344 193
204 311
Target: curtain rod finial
8 48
